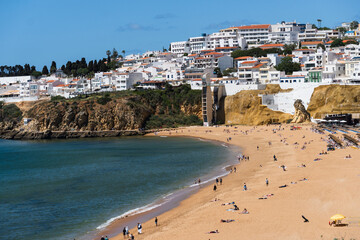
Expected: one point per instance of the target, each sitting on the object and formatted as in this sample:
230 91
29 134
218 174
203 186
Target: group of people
126 232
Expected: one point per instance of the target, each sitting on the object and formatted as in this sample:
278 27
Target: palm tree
319 23
123 52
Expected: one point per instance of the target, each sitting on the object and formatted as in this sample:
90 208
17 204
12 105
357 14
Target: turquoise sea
64 189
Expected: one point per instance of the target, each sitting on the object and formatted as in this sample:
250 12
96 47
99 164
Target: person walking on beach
217 181
275 158
214 187
234 169
139 227
245 187
220 181
132 237
267 182
106 238
124 232
156 221
127 231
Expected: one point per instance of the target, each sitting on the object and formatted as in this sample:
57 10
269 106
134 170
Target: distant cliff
332 99
245 108
111 114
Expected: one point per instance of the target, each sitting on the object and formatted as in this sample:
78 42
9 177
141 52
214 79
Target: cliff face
245 108
117 114
333 99
113 114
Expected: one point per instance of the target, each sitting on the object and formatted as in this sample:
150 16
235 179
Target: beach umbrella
337 217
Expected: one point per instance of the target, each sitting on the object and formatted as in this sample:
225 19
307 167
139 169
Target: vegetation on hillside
9 112
165 104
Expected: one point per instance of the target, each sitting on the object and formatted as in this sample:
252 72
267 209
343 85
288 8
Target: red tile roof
312 43
243 58
271 46
249 62
212 53
261 26
304 50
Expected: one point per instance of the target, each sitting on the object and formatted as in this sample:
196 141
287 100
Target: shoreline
113 227
296 199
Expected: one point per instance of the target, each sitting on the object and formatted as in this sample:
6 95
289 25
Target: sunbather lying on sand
230 203
245 211
304 179
282 186
216 231
317 159
227 220
266 196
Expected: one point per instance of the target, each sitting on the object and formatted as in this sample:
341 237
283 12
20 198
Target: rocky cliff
301 115
332 99
103 115
245 108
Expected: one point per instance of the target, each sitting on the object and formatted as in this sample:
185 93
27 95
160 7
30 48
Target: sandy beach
331 187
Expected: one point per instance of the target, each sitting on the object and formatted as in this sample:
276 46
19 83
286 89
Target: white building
180 48
253 34
285 32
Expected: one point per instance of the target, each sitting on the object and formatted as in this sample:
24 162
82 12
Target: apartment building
253 34
285 32
180 48
214 60
311 34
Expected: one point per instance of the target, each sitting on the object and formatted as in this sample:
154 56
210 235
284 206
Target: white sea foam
129 213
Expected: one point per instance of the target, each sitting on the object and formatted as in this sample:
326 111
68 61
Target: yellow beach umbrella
337 217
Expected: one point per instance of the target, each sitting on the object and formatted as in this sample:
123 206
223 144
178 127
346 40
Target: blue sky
39 31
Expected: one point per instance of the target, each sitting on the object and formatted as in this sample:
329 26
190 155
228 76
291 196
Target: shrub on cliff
104 99
10 111
57 98
172 121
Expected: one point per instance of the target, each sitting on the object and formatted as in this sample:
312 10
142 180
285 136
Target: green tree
342 31
36 74
288 48
45 70
354 25
228 71
108 53
288 66
115 54
123 52
186 54
320 45
337 43
217 71
53 67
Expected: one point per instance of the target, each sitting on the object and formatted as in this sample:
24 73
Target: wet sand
332 187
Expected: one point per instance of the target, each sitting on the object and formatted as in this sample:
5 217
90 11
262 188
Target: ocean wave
130 213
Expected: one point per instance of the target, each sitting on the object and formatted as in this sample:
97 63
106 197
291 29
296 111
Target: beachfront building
292 79
314 75
249 71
